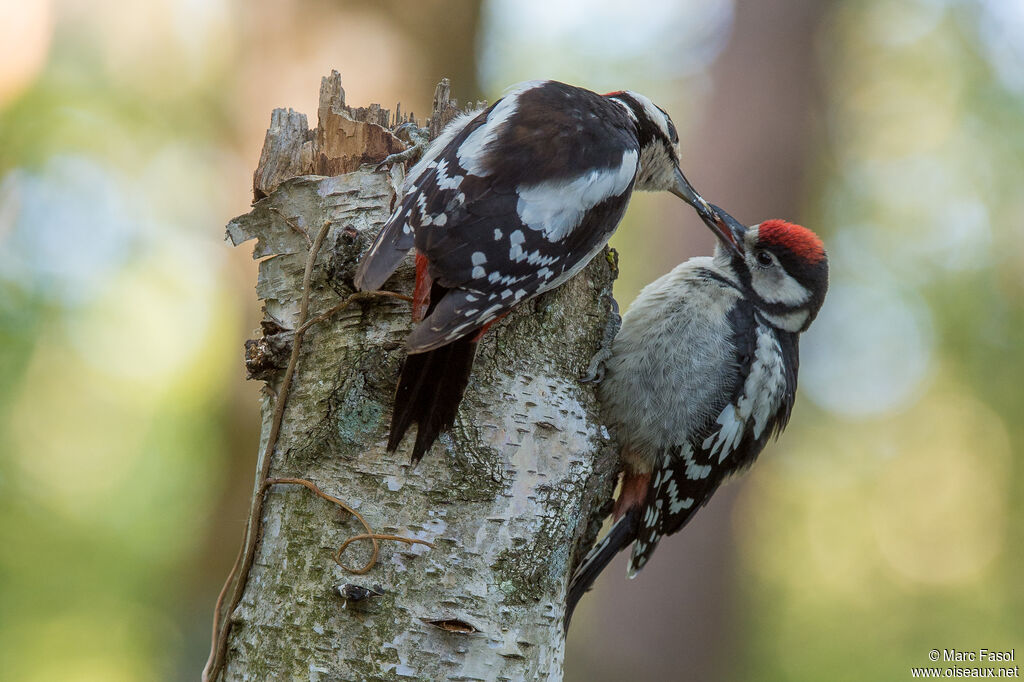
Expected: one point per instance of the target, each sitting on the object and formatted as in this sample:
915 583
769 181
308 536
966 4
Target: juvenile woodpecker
506 204
701 374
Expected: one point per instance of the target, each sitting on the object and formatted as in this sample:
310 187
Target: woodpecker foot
418 141
596 368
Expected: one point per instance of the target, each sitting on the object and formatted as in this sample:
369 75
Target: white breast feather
671 362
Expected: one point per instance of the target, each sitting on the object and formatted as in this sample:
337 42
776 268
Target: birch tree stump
507 500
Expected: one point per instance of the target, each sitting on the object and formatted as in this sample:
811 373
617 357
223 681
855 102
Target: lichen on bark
508 498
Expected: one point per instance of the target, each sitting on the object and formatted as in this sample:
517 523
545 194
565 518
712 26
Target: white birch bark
507 499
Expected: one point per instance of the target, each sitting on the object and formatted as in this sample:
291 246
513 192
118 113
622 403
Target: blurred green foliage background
887 522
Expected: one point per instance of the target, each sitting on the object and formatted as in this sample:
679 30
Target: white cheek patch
555 208
471 151
775 285
792 321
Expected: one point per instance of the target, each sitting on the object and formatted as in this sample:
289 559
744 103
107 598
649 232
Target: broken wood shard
345 138
287 152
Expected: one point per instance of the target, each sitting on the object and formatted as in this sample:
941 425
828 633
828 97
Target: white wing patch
428 160
556 207
472 150
442 179
516 253
762 391
675 505
694 471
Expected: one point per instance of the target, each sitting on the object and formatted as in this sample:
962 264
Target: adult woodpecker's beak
729 230
685 191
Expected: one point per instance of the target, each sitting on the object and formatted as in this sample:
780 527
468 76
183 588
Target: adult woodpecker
701 374
508 203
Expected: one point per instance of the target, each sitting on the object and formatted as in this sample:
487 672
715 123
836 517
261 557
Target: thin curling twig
368 535
219 607
240 570
373 536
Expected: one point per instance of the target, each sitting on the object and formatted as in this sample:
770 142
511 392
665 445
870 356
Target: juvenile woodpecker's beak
728 229
685 191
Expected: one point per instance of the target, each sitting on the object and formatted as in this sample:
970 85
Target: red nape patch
798 239
613 93
633 493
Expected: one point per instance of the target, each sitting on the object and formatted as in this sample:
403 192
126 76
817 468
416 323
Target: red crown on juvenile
797 239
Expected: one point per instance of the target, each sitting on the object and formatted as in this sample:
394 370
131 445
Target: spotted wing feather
396 238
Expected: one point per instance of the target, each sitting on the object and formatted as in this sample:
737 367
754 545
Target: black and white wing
687 475
518 200
396 237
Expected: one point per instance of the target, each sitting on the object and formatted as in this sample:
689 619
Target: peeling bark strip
506 503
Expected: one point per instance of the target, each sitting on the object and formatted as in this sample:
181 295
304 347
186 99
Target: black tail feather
429 392
619 537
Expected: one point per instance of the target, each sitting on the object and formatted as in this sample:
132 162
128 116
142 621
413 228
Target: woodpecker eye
764 258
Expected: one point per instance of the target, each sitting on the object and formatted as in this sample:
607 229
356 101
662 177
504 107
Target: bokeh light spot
600 44
74 223
940 506
868 352
26 29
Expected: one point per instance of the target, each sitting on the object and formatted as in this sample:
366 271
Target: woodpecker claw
596 369
410 154
417 140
